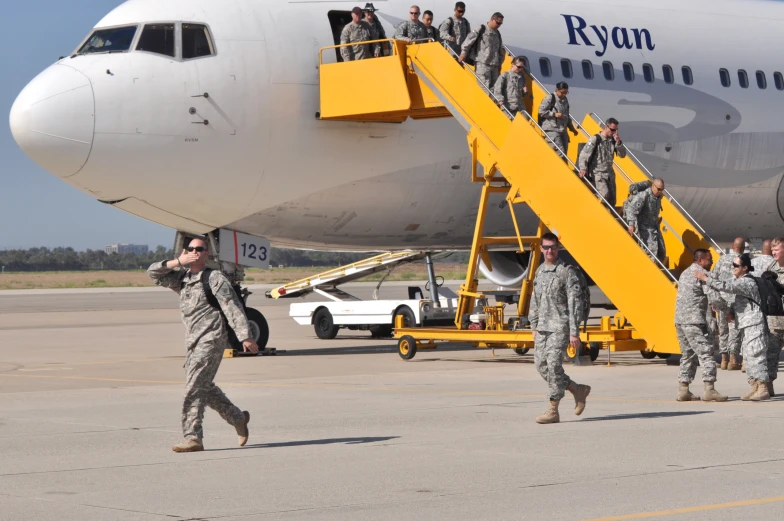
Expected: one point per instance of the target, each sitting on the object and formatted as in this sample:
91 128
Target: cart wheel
663 356
324 325
406 347
409 319
648 355
571 352
521 350
593 350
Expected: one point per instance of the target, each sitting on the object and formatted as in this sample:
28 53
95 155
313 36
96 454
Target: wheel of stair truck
663 356
406 347
324 324
258 327
593 350
521 350
648 355
409 319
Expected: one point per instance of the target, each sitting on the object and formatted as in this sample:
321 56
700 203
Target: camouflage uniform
206 337
729 339
509 89
602 165
760 263
457 28
643 214
556 128
752 328
776 329
381 34
555 311
691 310
412 30
490 54
356 33
432 32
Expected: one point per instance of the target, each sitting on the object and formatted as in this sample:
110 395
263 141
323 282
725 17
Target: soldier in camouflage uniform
455 29
554 117
555 313
764 258
206 337
599 168
752 328
356 32
729 339
432 31
642 216
488 46
510 87
379 32
775 324
412 29
691 309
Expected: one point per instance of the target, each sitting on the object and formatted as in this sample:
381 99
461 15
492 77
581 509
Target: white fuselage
128 127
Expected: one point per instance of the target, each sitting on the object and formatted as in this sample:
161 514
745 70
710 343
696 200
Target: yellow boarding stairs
424 80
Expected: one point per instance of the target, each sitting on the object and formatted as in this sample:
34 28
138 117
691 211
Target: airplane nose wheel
257 327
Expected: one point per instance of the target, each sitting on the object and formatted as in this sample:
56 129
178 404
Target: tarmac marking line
382 389
689 510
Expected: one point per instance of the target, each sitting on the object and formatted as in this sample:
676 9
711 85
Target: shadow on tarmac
669 414
303 443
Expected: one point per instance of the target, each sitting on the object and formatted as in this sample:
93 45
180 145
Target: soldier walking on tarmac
729 339
206 337
691 310
555 313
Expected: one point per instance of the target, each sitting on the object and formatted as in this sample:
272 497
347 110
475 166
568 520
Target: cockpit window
117 39
196 41
157 38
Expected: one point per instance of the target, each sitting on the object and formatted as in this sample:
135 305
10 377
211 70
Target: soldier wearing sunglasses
412 29
206 337
455 29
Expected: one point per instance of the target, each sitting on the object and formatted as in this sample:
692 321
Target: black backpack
550 105
213 301
771 295
471 58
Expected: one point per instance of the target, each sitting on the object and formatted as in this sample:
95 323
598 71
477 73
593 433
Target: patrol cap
357 11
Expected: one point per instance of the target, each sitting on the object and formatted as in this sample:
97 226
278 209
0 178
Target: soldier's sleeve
443 30
501 51
635 206
402 31
500 87
546 111
575 300
733 286
163 276
230 305
620 151
346 52
586 154
469 42
533 310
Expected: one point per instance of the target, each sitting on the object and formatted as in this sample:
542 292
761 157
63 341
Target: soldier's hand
730 316
250 345
583 173
617 137
188 258
533 334
631 229
451 38
558 115
574 132
575 342
461 58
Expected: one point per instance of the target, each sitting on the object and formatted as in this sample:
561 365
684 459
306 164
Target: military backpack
771 294
585 293
634 189
213 301
474 52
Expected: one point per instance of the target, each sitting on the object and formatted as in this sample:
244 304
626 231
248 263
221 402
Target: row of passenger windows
155 38
648 74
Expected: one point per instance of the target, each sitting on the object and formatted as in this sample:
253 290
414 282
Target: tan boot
752 390
580 393
189 446
734 364
712 395
762 393
551 416
684 394
725 359
242 429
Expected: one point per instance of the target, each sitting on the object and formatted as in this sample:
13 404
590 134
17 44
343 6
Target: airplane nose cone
53 118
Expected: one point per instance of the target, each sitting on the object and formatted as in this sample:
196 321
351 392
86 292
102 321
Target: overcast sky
36 208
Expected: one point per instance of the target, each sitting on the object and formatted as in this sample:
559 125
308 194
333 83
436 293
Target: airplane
200 115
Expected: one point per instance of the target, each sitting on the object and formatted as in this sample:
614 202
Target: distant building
138 249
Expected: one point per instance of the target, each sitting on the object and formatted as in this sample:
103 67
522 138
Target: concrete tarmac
90 397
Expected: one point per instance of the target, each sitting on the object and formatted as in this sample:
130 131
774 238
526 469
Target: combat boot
734 364
242 429
551 416
684 394
710 394
189 446
725 359
752 390
762 393
580 393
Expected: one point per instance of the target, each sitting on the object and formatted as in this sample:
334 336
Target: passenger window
587 70
669 77
647 72
566 68
628 71
743 79
544 66
724 76
688 79
762 81
157 38
778 79
196 41
609 71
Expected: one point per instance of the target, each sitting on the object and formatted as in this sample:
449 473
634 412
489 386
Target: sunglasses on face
548 247
736 265
461 11
613 130
197 249
414 12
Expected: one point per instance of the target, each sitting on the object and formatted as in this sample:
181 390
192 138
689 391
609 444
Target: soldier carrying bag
585 293
634 189
589 174
213 301
472 54
550 105
771 295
